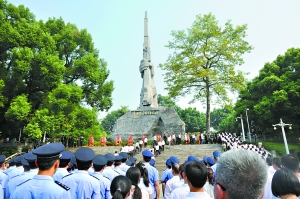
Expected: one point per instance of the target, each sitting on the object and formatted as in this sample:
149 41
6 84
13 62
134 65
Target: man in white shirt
173 182
137 147
196 173
141 144
145 141
163 145
184 189
169 140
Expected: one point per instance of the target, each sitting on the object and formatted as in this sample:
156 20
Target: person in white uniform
184 189
173 182
196 174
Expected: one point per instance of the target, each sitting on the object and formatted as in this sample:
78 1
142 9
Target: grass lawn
279 147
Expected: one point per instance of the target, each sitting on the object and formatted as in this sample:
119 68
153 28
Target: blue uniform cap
110 157
18 159
11 160
118 158
216 154
128 163
24 162
210 161
147 153
2 158
174 160
66 155
30 157
133 160
205 159
84 154
124 155
152 162
100 160
168 162
49 150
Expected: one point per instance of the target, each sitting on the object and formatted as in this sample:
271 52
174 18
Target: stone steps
180 151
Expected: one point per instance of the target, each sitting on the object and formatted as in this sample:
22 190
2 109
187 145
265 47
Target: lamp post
283 133
241 117
249 135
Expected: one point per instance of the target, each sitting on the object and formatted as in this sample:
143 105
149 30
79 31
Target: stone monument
149 119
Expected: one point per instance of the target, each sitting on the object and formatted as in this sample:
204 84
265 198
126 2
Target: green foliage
279 147
217 116
193 119
110 119
274 94
51 77
203 61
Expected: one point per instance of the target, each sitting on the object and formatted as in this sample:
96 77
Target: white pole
284 138
248 126
243 131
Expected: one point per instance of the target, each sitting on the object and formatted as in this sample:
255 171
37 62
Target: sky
117 31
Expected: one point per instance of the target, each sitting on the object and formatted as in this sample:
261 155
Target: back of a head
290 161
196 173
144 173
243 173
134 175
175 168
277 162
285 182
120 187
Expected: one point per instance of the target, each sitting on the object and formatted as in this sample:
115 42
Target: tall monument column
148 97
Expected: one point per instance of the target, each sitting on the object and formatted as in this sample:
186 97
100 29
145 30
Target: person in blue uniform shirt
123 166
81 184
30 170
117 165
152 174
42 186
2 166
63 165
164 176
14 173
109 171
99 163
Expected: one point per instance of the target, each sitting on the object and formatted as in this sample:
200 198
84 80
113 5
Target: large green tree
54 69
274 94
203 61
217 116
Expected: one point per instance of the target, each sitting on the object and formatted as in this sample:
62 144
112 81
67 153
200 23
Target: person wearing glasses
240 174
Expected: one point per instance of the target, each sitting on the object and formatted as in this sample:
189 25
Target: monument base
149 121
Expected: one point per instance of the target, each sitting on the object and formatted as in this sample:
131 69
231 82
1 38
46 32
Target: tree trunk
207 108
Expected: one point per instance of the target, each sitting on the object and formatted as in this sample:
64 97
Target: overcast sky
117 31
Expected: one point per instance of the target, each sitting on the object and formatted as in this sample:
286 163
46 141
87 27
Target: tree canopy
203 61
51 76
273 94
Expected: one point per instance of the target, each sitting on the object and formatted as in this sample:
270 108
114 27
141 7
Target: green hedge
280 148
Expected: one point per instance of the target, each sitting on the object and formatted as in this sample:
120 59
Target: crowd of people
240 172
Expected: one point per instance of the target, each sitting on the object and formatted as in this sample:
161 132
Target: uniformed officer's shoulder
106 178
23 182
67 175
62 185
14 177
95 177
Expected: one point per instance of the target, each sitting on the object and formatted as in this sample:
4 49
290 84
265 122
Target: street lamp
283 133
241 117
249 135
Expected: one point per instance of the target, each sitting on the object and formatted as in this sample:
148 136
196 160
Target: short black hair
45 164
32 165
109 163
277 162
98 167
63 163
26 168
83 165
175 168
290 161
196 173
285 182
147 159
117 163
181 169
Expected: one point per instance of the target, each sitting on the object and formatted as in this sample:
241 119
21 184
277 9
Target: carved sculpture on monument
103 141
91 141
118 140
158 138
130 140
143 138
186 138
149 119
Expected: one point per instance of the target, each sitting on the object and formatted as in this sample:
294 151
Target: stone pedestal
149 121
